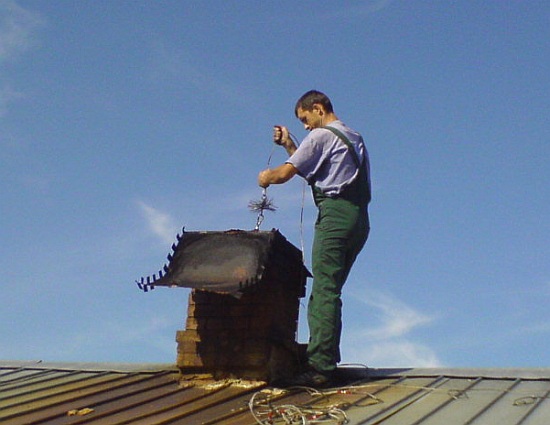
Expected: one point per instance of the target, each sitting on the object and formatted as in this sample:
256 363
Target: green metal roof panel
153 394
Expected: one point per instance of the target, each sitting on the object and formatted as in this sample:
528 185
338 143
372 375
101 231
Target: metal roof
79 393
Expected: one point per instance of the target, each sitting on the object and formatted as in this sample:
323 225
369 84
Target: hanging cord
301 207
301 226
266 204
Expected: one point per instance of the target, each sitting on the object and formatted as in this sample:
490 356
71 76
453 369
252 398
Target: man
335 162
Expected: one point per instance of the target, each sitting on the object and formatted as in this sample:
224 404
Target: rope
265 412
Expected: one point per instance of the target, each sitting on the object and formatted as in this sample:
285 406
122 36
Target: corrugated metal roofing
40 393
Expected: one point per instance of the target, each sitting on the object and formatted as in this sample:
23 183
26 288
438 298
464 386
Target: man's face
311 119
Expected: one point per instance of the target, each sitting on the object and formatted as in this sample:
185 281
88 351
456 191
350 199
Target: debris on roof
42 393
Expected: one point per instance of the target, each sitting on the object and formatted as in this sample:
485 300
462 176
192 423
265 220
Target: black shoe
310 378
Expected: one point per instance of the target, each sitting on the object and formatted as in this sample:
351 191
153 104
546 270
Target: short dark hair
310 98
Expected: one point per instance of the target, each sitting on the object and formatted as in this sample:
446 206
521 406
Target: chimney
242 315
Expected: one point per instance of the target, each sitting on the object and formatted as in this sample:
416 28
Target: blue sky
123 121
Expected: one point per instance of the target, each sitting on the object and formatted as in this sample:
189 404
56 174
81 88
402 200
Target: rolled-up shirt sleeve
325 160
308 158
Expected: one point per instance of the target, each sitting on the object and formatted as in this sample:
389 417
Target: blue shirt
324 160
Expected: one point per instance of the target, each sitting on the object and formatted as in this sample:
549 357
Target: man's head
313 109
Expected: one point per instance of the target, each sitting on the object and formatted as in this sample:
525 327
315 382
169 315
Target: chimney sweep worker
335 162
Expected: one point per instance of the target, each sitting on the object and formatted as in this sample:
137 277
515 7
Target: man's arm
278 175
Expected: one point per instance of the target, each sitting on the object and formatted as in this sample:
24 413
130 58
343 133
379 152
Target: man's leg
335 246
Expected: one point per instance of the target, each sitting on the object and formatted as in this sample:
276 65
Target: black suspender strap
344 139
358 163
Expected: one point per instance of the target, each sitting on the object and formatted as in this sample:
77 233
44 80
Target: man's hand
278 175
281 136
263 178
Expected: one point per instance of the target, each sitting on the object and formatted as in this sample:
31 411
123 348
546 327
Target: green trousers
341 231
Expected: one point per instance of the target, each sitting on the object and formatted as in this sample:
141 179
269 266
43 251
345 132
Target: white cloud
390 354
387 343
17 27
127 333
187 69
160 223
108 336
397 318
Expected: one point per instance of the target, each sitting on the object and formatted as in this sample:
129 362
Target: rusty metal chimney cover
220 261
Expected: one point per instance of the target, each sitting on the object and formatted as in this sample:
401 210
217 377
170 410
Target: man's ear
318 108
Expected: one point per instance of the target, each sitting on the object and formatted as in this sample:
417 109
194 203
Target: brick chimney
242 315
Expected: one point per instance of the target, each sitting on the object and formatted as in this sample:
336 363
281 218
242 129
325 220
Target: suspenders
359 164
344 139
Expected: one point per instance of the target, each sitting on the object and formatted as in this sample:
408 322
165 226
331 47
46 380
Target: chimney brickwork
250 337
242 316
